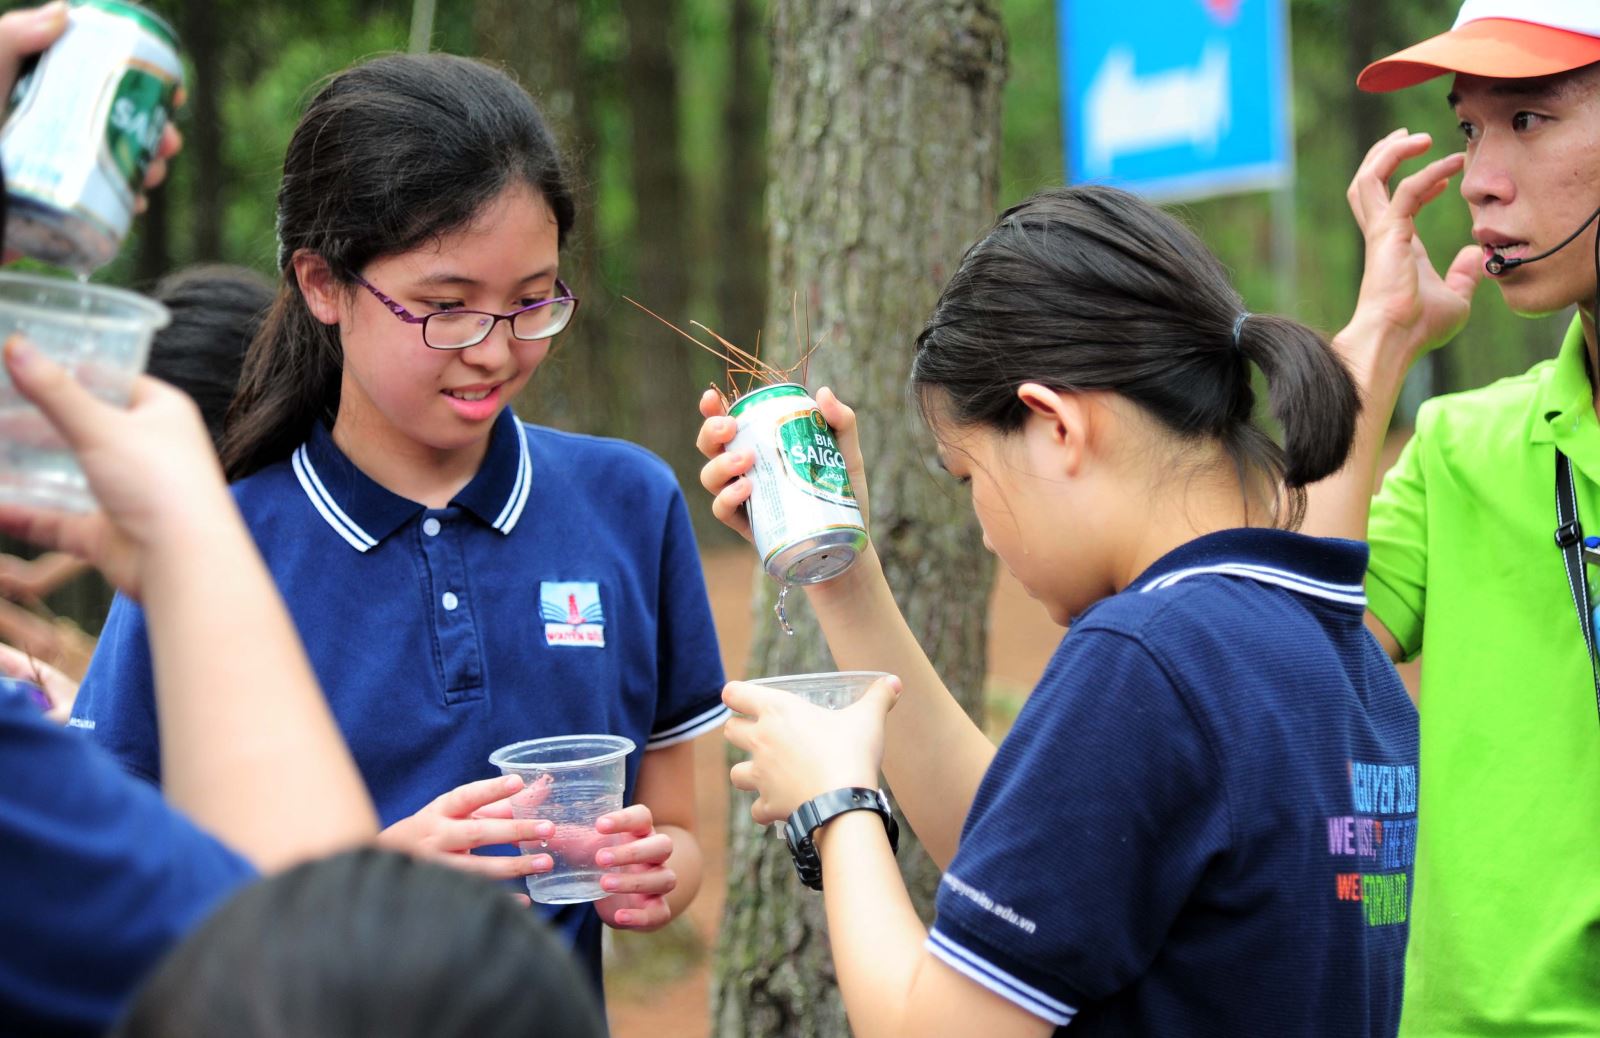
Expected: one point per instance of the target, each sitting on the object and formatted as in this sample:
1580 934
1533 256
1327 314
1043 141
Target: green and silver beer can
803 513
86 121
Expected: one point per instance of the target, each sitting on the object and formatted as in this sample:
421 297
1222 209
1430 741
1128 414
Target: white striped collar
1350 594
363 513
1331 570
325 505
506 521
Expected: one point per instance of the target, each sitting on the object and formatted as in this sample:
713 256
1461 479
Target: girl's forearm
934 755
687 863
874 931
892 985
1338 506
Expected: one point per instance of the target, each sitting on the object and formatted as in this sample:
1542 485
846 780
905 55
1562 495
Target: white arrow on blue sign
1176 98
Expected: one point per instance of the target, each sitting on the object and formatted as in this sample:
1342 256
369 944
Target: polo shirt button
449 601
430 526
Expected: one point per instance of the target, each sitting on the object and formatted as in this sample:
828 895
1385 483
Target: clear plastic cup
832 690
570 780
102 336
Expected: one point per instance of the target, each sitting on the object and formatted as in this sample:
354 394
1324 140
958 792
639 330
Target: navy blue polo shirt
1203 821
100 877
560 592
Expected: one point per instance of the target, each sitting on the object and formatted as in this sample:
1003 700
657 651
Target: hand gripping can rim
803 512
86 122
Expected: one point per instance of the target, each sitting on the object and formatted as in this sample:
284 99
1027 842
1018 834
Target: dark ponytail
216 310
389 155
1313 398
1088 288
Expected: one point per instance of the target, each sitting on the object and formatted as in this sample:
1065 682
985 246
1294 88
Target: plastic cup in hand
570 780
102 336
832 690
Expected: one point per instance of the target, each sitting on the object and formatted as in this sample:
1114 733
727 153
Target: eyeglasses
458 329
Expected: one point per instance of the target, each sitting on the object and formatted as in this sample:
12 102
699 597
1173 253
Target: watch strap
810 816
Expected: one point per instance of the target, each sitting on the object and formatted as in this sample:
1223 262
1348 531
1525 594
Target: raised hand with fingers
151 467
28 31
1403 299
24 33
723 475
478 814
26 580
640 880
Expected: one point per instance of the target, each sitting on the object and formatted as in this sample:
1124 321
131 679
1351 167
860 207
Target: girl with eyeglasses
462 580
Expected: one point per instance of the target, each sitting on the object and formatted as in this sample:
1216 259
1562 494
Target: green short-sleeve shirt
1505 927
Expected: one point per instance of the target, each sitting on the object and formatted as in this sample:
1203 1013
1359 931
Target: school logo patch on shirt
572 613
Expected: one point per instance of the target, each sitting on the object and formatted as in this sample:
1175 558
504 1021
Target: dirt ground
672 999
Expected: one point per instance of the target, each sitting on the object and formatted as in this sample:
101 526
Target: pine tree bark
884 144
200 40
663 368
152 257
742 272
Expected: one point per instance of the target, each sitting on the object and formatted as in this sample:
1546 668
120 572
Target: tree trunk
199 35
742 241
153 255
664 368
884 154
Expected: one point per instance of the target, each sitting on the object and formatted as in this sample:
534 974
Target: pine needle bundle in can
803 512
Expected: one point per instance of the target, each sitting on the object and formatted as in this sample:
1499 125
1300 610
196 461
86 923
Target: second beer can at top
803 514
86 122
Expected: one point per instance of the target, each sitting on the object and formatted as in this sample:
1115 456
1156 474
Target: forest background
664 108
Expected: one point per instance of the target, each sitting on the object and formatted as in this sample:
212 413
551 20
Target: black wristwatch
814 813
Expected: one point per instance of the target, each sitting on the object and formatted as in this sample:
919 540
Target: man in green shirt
1505 915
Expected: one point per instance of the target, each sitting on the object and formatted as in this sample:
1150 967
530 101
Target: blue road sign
1176 98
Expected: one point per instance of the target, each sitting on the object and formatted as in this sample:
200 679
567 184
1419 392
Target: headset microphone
1496 265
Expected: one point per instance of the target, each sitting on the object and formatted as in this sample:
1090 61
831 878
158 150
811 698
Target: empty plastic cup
570 780
102 336
833 690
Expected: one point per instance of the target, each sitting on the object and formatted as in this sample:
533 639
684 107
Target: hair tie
1238 323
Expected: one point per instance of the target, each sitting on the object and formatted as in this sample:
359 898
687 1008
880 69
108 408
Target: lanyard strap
1569 538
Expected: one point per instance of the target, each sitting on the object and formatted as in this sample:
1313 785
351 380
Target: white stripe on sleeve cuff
998 980
693 728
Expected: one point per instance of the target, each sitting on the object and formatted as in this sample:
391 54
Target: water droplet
781 613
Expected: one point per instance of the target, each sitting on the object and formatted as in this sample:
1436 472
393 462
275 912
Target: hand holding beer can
85 123
803 513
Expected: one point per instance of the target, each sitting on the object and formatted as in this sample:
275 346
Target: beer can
85 123
803 513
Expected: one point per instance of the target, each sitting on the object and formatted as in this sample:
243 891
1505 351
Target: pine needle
740 362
